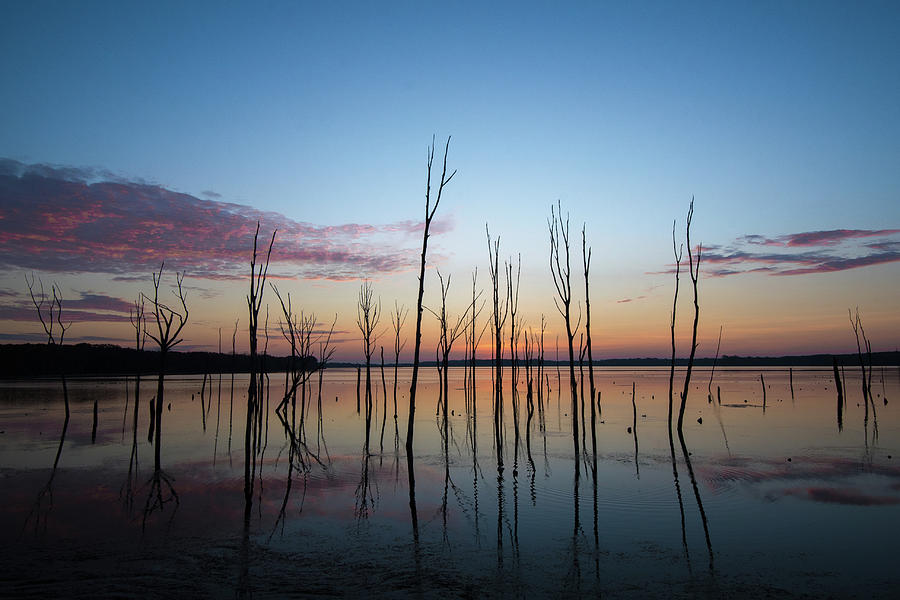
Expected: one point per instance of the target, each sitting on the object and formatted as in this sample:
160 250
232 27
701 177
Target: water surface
775 499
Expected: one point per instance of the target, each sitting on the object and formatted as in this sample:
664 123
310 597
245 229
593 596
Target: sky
140 133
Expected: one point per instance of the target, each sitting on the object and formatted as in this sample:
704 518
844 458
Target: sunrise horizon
89 232
456 300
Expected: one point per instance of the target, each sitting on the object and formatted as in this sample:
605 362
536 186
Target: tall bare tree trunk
429 215
561 272
694 268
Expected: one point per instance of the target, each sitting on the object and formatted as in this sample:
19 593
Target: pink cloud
56 219
824 238
88 307
823 252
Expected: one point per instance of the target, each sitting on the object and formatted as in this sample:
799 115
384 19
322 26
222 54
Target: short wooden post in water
763 382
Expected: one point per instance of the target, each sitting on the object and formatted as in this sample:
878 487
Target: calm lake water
773 501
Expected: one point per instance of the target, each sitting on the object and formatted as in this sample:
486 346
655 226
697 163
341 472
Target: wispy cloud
803 253
64 219
818 238
647 293
89 307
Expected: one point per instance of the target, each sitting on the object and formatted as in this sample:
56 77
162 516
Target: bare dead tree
840 395
515 327
368 313
429 215
326 350
258 275
49 311
512 300
449 331
138 319
302 333
530 368
383 402
716 360
586 262
678 253
500 314
439 366
231 400
864 352
561 272
540 374
169 324
694 269
398 318
474 338
581 353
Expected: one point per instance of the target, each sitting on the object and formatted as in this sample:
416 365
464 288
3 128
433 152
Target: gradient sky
133 134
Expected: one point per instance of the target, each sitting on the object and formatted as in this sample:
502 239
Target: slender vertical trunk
677 252
137 402
586 260
694 271
383 400
396 369
840 394
762 381
415 374
160 400
791 375
429 215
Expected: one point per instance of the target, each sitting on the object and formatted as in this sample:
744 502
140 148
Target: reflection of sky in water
772 522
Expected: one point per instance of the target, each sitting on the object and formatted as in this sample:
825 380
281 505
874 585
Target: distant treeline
808 360
41 360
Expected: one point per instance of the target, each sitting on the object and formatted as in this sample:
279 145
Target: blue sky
779 118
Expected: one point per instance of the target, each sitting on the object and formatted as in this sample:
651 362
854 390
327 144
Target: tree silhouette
49 312
561 272
694 270
258 275
429 215
169 324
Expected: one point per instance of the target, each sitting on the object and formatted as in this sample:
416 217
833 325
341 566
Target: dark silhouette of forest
41 360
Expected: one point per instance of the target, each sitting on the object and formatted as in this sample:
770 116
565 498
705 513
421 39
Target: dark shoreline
39 360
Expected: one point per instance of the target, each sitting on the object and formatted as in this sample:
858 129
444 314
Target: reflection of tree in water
637 467
169 324
49 311
687 462
161 492
573 578
139 323
365 498
302 333
864 352
43 504
684 543
367 316
531 341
